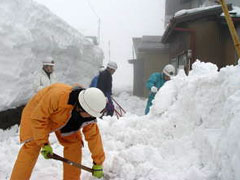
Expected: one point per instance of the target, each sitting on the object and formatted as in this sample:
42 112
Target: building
200 34
151 56
194 30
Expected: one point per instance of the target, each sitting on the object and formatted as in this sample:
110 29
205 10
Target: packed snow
234 12
191 133
30 35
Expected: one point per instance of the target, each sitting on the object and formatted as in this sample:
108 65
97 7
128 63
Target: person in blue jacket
95 79
156 81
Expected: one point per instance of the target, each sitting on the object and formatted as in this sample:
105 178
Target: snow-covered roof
192 15
235 12
194 10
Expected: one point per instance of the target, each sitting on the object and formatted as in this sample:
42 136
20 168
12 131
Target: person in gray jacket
46 76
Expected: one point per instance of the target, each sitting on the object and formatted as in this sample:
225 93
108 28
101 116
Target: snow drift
205 108
29 32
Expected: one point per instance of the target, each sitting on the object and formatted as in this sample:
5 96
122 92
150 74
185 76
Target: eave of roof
175 21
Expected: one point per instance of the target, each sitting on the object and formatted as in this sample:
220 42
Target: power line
99 21
93 10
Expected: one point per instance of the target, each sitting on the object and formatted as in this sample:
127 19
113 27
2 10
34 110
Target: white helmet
48 61
92 101
112 65
169 70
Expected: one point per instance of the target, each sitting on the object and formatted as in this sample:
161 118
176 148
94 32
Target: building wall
153 63
209 42
220 47
231 56
146 64
138 74
212 43
180 42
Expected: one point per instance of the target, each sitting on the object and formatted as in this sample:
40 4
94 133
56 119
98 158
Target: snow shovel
80 166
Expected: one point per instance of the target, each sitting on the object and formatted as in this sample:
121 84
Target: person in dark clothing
95 79
105 85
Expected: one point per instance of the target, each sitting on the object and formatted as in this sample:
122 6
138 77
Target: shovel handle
78 165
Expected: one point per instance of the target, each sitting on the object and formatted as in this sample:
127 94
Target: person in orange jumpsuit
65 110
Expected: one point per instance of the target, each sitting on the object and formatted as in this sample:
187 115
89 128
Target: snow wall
204 107
29 33
191 133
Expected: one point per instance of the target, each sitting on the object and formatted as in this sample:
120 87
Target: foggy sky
119 22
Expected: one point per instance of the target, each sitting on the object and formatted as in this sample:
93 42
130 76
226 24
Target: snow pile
205 108
29 33
191 133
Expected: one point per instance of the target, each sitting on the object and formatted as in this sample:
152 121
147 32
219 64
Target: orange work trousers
29 152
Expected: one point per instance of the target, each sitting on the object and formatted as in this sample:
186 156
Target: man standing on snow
156 81
105 84
64 110
46 76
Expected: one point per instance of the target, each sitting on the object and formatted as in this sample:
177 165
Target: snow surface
235 11
28 36
193 10
191 133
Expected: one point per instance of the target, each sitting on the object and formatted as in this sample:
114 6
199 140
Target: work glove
46 149
154 89
97 171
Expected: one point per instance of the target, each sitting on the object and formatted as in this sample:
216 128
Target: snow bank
204 107
192 131
29 33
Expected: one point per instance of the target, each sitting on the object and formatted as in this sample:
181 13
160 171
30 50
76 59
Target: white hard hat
112 65
92 101
169 70
48 61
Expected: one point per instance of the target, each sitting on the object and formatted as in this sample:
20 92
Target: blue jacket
94 81
157 80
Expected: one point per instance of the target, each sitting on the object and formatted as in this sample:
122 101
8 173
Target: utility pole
109 50
231 27
99 21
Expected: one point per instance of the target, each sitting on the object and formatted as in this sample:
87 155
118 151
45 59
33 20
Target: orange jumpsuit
48 111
